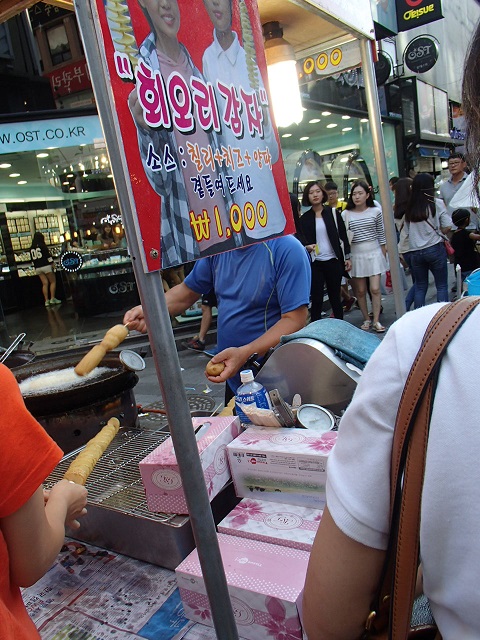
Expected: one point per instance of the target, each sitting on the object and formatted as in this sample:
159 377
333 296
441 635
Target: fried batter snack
92 359
83 465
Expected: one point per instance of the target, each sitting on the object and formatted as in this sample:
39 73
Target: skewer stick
92 359
83 465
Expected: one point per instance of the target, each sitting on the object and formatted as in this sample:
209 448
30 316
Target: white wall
454 33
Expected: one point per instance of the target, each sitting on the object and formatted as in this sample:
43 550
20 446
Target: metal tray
118 518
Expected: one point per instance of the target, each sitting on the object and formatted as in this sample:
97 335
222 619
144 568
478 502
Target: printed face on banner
188 79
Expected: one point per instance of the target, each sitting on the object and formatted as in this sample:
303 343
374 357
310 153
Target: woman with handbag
364 224
427 222
347 558
323 234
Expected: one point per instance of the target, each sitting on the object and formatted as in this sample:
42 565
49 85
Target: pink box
161 476
285 524
281 465
265 584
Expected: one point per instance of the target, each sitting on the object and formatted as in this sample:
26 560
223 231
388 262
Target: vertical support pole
382 172
164 351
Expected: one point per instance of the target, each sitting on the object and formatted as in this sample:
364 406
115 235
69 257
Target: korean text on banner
189 83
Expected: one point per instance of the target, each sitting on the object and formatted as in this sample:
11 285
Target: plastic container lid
246 375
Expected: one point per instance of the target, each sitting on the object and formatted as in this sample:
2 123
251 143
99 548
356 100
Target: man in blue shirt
262 291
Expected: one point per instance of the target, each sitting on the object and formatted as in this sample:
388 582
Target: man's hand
234 358
135 319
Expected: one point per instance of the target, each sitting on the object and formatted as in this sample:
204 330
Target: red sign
71 78
189 85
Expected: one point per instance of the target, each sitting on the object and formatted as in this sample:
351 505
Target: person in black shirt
43 263
463 241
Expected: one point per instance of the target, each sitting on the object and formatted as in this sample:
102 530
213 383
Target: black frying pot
88 391
19 358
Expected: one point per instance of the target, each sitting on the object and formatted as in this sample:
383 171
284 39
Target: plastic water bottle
250 392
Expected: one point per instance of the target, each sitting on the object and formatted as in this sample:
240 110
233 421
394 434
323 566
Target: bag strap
408 465
439 233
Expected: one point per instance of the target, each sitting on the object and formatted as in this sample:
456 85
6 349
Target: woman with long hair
43 264
324 232
426 220
364 223
401 191
107 238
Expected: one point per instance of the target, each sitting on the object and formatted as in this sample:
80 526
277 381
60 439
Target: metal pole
382 172
164 352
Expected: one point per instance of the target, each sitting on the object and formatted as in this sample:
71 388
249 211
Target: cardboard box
284 524
161 476
281 465
265 584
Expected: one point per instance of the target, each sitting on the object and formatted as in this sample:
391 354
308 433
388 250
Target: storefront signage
61 132
42 13
415 13
202 156
421 54
356 15
72 78
71 261
331 61
111 219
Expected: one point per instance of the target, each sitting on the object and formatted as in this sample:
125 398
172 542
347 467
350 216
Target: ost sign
415 13
71 261
421 54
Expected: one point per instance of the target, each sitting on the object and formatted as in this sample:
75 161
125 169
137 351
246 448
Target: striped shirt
366 226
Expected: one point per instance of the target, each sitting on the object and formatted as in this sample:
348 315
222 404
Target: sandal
379 328
366 325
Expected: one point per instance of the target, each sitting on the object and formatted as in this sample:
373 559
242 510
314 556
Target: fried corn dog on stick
83 465
92 359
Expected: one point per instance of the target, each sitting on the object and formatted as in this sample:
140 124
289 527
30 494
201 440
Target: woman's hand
136 110
72 497
310 248
348 265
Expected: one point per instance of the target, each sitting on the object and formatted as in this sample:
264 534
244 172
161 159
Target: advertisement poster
188 79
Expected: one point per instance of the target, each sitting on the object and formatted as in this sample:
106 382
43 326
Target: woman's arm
342 578
34 534
342 232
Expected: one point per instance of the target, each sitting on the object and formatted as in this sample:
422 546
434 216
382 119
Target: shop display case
104 282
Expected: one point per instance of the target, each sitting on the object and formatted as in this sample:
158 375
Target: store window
5 42
336 146
432 110
58 44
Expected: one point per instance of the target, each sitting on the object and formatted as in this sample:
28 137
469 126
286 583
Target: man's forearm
180 298
288 323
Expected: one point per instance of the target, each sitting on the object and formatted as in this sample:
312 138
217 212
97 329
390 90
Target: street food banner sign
188 79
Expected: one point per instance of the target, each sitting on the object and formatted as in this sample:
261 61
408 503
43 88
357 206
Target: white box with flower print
265 584
160 473
281 465
287 525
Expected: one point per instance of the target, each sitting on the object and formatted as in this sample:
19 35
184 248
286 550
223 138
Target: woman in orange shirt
32 524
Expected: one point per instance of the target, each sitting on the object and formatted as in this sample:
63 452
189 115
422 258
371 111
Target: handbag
446 242
391 609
